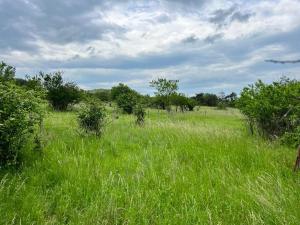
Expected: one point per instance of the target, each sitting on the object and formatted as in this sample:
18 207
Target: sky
208 45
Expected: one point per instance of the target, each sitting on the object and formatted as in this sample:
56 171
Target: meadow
200 167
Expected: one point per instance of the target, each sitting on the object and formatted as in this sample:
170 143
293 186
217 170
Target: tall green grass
199 167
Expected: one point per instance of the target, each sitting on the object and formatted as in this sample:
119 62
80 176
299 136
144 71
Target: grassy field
201 167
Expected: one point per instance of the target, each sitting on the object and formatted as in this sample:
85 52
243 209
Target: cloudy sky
209 45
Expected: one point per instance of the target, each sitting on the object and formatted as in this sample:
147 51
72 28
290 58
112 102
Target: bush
21 115
273 109
127 102
140 113
60 94
92 118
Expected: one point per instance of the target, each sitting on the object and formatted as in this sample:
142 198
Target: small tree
274 109
127 102
7 73
165 88
125 97
92 118
60 94
121 89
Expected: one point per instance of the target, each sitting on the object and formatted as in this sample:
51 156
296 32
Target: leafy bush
20 118
127 102
92 118
125 97
273 109
60 94
140 113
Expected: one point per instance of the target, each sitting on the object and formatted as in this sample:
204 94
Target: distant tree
206 99
127 102
7 73
116 91
231 99
103 95
125 97
60 94
165 88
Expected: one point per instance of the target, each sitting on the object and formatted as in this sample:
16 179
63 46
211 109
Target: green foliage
21 115
92 118
7 73
60 94
274 109
165 88
206 99
121 89
231 99
103 95
140 114
182 102
125 97
127 102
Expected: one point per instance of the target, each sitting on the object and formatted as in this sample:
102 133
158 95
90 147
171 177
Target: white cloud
95 42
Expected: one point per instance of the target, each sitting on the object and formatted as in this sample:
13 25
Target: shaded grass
192 168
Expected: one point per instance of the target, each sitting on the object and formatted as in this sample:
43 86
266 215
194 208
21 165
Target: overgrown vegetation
274 109
198 167
125 97
140 114
92 118
21 116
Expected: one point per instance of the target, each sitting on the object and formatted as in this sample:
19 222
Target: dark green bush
127 102
273 109
21 115
92 118
140 114
60 94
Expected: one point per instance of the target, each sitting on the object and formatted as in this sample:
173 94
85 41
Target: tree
125 97
274 109
206 99
165 88
116 91
60 94
231 99
183 102
7 73
127 102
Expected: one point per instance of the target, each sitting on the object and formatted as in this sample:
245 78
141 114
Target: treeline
164 99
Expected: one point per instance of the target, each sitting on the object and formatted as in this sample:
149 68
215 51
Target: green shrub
21 115
140 113
127 102
92 118
273 109
60 94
